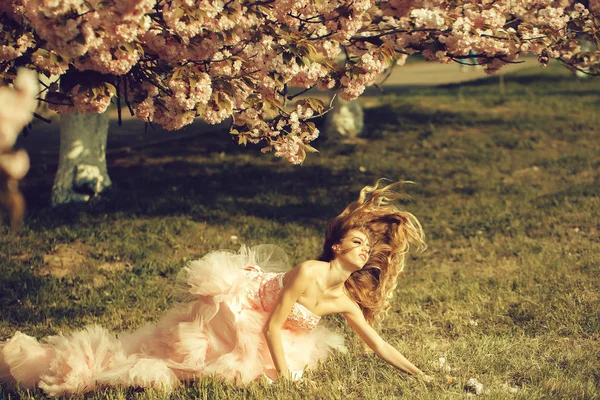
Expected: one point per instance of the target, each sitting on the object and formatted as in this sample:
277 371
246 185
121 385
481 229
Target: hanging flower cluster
172 61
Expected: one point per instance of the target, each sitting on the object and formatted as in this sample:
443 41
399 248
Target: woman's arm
297 281
384 350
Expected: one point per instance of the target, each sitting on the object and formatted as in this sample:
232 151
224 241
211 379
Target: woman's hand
352 313
294 287
284 375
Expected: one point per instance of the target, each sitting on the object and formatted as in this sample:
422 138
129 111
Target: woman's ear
335 248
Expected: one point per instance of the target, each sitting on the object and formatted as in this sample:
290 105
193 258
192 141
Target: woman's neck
338 273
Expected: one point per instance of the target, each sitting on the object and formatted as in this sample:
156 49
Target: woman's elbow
270 329
380 349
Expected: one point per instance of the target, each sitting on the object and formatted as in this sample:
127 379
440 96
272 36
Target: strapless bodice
269 286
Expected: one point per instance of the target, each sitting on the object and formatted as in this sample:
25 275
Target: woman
239 318
363 254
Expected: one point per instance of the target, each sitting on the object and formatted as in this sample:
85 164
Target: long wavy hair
391 233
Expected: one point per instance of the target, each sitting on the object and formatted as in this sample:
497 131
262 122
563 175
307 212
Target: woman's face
354 248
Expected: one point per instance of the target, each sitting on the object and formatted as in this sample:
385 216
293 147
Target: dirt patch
527 172
64 259
114 266
468 131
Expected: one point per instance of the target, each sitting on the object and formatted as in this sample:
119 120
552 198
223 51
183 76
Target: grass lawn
507 186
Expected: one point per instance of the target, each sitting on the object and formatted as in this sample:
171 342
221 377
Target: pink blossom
16 45
18 105
93 32
86 101
352 88
145 110
289 147
218 59
49 62
430 18
173 121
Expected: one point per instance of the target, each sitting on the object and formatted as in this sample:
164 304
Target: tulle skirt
215 330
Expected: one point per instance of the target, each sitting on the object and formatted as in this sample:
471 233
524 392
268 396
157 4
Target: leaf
200 14
366 18
388 51
287 57
41 52
270 108
302 51
59 98
227 87
88 5
316 104
309 148
111 89
311 49
177 72
242 140
223 103
79 39
275 102
129 47
302 154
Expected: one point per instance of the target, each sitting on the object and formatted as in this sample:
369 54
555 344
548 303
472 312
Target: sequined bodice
269 285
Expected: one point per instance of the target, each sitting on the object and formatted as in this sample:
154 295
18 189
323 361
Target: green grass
507 191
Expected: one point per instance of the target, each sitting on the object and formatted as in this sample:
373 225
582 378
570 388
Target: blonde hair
391 232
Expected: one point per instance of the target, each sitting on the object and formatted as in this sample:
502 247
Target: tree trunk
345 120
81 171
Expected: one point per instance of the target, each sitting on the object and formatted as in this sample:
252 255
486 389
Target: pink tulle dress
215 330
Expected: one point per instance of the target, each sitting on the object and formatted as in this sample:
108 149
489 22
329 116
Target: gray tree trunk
81 171
345 120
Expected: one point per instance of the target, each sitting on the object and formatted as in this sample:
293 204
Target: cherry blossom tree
171 61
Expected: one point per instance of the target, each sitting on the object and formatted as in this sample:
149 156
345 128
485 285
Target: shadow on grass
575 193
22 292
207 176
204 189
200 177
413 116
203 173
526 77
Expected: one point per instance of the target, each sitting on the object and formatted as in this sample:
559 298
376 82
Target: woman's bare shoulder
306 270
342 305
312 265
347 305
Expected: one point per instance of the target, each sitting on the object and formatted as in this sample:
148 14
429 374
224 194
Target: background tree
171 61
